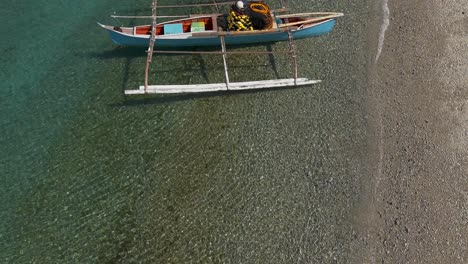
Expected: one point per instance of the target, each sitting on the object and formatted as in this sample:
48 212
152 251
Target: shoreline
418 159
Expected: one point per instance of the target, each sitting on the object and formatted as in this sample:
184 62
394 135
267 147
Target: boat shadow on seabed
133 54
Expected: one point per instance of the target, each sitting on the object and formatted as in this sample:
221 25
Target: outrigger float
203 30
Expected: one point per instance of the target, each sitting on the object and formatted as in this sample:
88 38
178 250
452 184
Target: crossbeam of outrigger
149 57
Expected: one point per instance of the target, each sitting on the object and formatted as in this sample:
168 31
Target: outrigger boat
203 30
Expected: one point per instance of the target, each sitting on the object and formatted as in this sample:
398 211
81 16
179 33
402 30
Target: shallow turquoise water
90 176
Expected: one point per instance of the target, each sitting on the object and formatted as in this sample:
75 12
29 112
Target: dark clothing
222 22
238 20
259 14
255 16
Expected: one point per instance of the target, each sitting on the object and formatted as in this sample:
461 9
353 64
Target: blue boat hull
237 39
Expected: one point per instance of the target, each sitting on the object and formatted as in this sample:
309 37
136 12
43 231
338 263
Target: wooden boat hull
192 40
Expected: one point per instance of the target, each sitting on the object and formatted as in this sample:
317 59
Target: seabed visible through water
91 176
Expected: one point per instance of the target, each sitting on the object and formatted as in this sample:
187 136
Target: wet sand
418 105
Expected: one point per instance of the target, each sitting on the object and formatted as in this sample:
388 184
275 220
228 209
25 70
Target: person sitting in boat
237 19
260 15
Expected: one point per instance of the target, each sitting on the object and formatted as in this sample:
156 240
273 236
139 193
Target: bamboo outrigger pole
117 16
216 6
151 45
309 20
292 48
219 52
223 50
283 4
197 5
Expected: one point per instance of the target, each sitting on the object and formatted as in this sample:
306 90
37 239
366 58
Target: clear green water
89 176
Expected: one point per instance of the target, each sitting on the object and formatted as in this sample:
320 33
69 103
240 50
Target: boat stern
122 36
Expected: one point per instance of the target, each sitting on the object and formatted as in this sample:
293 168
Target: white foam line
383 28
378 176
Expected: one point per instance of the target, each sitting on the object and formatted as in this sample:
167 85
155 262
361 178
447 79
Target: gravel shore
418 100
